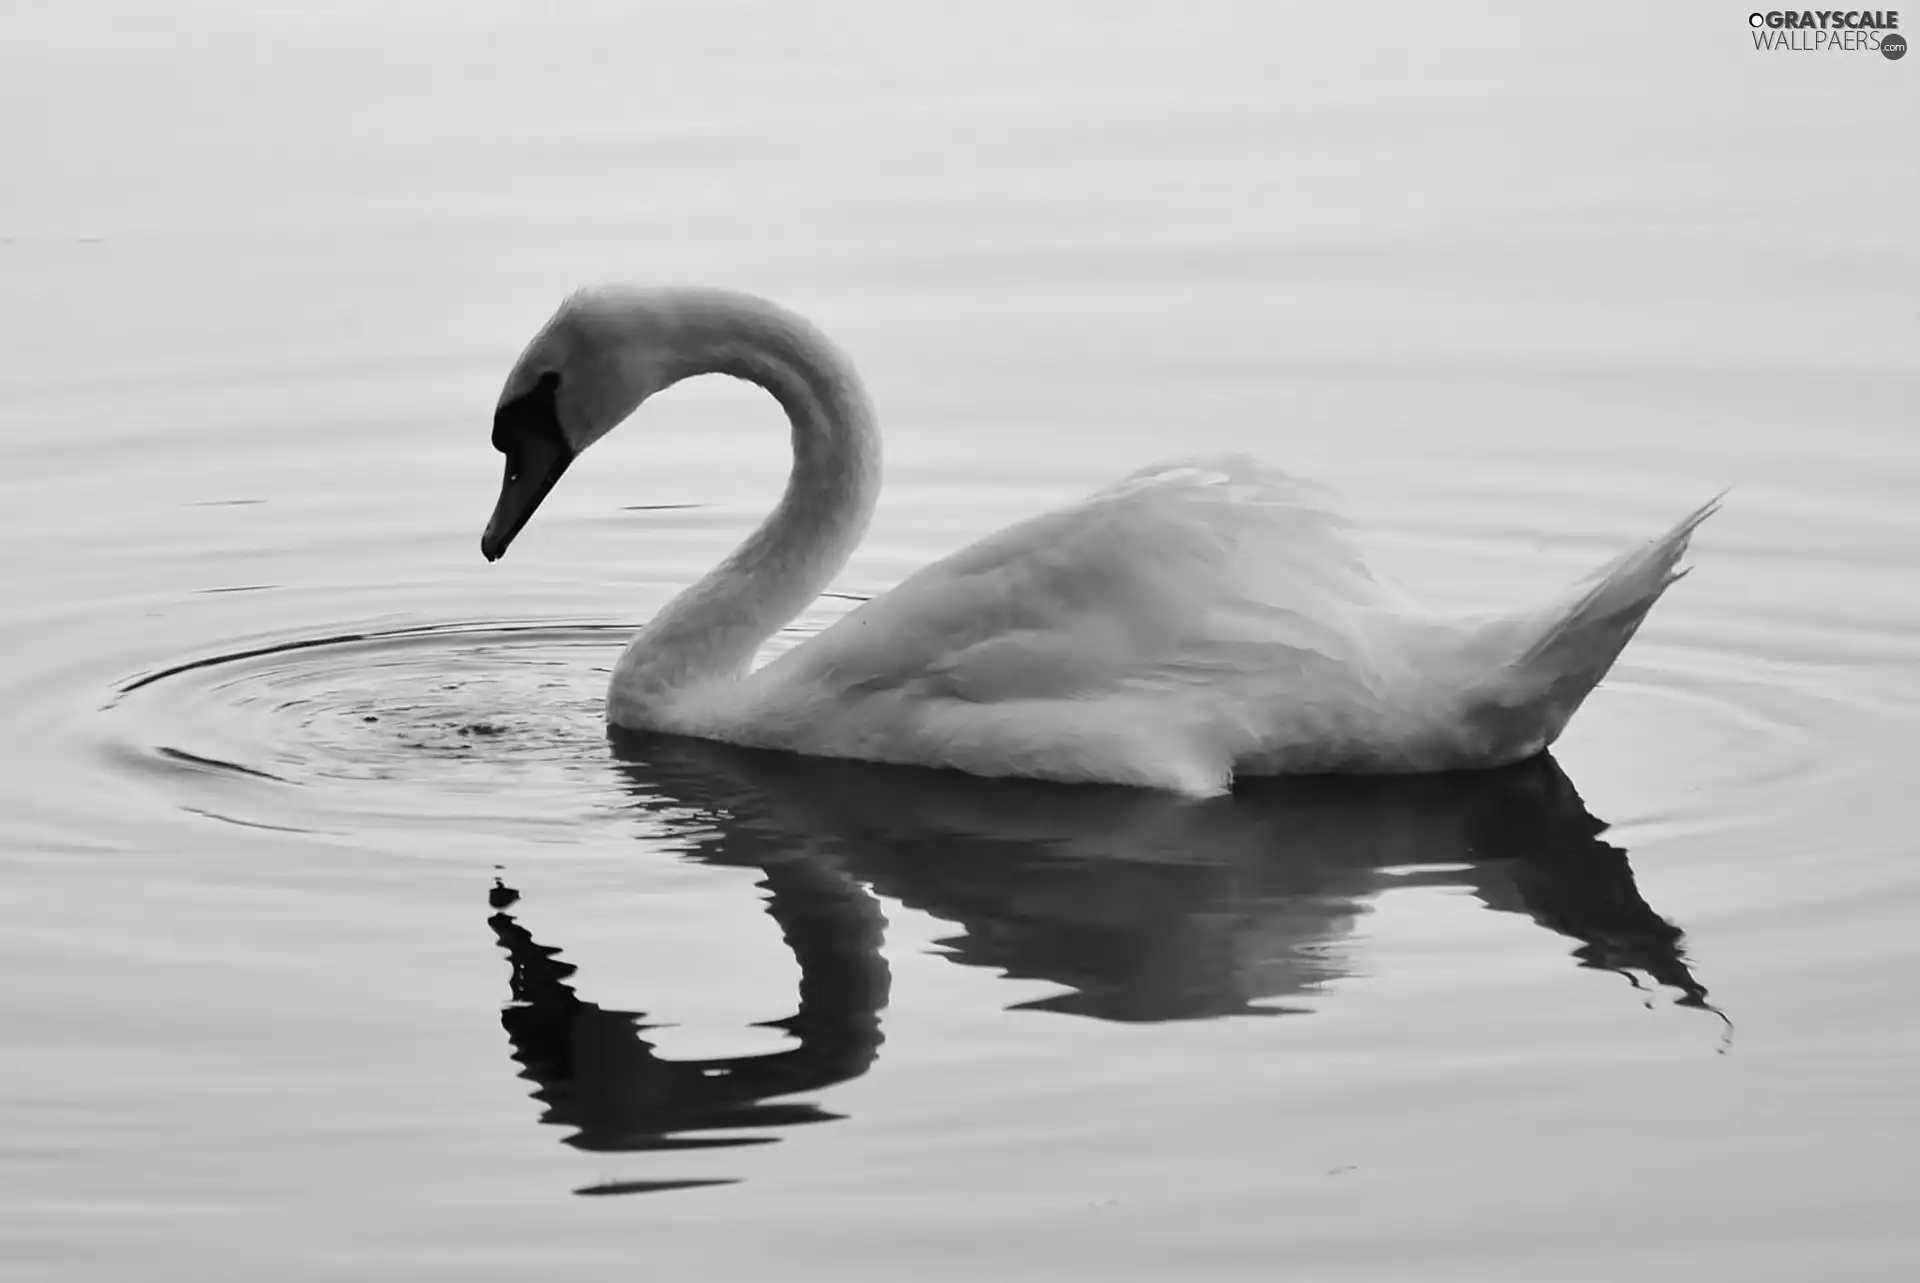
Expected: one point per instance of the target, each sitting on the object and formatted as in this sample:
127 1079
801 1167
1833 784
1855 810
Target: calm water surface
342 944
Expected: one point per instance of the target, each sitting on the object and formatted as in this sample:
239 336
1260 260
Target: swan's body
1199 619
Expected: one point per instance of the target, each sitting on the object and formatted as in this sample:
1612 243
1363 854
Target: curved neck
713 629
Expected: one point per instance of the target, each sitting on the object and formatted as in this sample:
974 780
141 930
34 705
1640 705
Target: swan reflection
597 1074
1138 906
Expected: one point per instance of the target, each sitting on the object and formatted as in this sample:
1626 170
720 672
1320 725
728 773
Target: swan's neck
713 629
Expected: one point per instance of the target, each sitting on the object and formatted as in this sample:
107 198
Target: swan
1200 618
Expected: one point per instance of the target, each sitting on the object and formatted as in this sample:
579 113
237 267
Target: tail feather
1562 653
1618 596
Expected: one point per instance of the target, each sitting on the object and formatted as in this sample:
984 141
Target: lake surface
341 943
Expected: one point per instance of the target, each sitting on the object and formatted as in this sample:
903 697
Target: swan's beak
527 481
528 433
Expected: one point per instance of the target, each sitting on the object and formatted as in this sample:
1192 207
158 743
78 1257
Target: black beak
527 431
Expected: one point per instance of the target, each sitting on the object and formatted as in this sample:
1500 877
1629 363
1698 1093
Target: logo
1829 31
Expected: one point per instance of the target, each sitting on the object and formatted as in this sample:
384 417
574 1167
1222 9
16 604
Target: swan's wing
1182 577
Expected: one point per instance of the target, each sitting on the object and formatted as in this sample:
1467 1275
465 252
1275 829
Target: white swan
1200 618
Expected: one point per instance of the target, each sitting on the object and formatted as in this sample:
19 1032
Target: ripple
493 730
469 725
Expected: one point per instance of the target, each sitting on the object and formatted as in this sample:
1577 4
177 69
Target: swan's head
603 353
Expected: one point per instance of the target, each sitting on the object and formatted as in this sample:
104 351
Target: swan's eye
532 411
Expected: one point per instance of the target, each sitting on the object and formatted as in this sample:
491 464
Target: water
329 906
